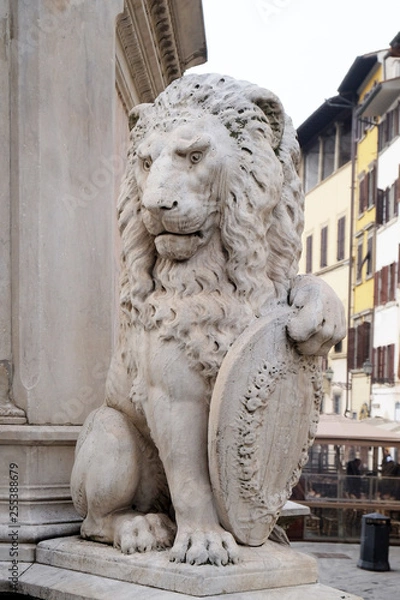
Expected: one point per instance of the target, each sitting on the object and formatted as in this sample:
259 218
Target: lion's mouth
179 246
198 234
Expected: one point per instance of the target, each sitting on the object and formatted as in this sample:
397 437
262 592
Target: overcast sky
299 49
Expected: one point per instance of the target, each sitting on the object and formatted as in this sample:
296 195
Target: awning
380 99
338 430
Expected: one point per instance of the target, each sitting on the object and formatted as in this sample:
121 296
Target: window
389 128
332 149
336 403
311 163
362 195
371 185
324 247
309 245
369 255
387 203
386 281
328 162
340 248
392 282
367 191
359 261
345 143
383 363
358 345
363 125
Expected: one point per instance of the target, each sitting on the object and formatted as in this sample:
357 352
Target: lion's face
178 174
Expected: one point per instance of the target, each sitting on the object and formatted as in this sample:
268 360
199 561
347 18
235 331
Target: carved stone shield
263 418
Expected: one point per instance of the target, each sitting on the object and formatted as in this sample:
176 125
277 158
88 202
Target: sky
299 49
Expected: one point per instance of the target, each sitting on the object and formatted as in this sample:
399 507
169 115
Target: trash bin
374 549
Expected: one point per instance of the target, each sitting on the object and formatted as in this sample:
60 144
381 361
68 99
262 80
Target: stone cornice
156 40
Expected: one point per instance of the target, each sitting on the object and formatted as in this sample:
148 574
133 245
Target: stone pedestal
35 495
267 567
90 571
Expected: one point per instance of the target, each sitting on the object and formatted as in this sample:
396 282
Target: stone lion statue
210 216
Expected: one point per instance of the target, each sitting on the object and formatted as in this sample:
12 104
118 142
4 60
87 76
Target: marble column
57 277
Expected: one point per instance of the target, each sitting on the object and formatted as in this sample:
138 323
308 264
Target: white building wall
385 397
389 160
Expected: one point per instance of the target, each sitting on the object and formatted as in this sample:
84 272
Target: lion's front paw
142 533
197 547
318 321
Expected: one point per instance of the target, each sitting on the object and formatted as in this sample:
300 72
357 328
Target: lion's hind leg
107 481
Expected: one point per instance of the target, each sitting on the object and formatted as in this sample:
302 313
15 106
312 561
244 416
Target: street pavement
337 567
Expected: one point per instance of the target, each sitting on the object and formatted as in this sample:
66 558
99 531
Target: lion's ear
273 110
135 113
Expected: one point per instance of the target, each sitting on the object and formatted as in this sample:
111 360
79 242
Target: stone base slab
267 567
26 552
44 582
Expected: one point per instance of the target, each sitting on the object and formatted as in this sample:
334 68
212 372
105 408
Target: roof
357 73
336 429
328 112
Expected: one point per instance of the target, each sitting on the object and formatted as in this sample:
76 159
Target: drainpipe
351 233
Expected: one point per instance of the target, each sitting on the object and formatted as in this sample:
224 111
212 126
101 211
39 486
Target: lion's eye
195 157
147 162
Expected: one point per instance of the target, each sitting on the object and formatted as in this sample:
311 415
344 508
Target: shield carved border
263 418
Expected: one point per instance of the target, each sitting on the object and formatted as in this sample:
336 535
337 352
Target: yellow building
363 244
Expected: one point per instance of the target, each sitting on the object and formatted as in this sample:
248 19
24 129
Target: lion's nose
156 204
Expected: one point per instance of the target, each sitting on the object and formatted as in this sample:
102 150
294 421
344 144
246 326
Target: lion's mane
260 227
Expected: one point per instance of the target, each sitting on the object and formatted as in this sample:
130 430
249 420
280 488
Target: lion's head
211 207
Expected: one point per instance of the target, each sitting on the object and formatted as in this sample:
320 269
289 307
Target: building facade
364 379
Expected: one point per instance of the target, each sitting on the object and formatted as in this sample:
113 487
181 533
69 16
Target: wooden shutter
384 284
359 261
369 256
374 365
398 187
390 363
340 248
386 215
398 267
309 254
366 341
392 288
363 343
373 186
361 189
324 247
381 365
351 335
365 193
379 206
377 278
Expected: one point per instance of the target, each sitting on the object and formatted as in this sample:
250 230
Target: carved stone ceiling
159 40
